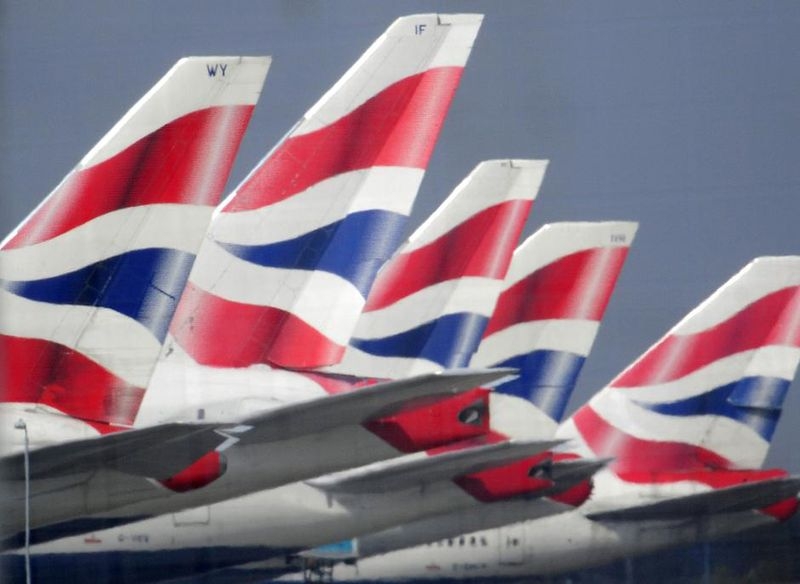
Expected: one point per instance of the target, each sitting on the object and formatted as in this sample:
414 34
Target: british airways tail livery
197 388
88 281
547 317
301 239
432 300
545 321
687 424
710 392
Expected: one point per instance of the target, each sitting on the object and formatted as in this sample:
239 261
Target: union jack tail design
547 317
88 281
294 250
432 300
709 394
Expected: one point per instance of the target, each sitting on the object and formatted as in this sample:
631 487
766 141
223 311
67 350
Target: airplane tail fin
432 300
301 239
547 317
709 394
89 281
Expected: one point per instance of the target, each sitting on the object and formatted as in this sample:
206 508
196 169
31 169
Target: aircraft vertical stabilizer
432 300
89 281
709 393
547 317
301 239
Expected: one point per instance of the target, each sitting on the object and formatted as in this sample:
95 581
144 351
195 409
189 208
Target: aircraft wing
157 452
410 472
743 497
160 452
365 404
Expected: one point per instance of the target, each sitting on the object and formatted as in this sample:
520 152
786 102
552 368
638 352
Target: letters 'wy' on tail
300 240
88 281
432 300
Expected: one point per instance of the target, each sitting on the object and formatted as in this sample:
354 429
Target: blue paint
755 402
343 549
449 340
353 248
143 285
546 379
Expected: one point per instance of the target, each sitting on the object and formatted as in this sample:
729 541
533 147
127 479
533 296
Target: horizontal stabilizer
365 404
157 452
744 497
403 474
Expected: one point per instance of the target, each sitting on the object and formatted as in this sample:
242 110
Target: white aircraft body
489 480
498 194
687 429
299 242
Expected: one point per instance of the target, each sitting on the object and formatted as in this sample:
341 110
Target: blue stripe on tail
449 340
353 248
546 379
143 285
755 402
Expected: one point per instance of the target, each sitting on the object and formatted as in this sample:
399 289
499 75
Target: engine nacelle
436 424
509 480
205 470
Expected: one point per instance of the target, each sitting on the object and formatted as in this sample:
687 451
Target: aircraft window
472 541
450 543
484 543
461 541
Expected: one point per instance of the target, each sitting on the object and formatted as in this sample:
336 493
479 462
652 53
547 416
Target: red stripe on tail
480 246
676 356
163 167
40 371
397 127
639 459
559 290
224 333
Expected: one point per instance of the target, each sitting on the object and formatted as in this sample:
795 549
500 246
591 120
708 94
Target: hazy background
681 115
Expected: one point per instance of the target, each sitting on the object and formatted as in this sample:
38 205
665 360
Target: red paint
44 372
335 384
397 127
481 246
575 496
503 482
163 167
225 333
758 324
715 478
559 290
640 459
783 510
433 425
25 364
200 473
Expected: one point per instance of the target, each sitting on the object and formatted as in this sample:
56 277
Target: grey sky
681 115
